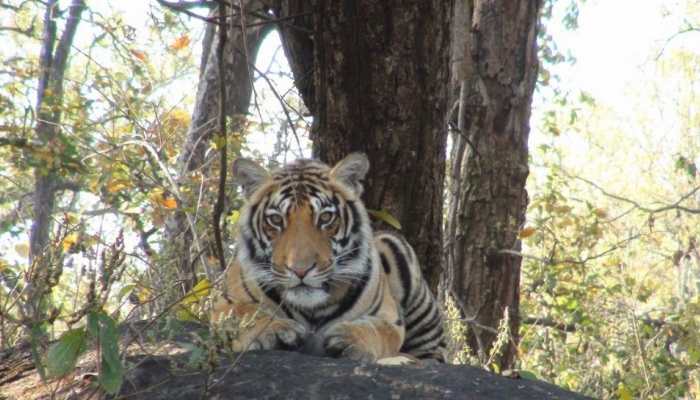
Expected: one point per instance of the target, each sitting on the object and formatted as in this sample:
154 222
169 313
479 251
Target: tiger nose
301 270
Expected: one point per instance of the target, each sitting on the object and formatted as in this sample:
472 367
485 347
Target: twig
580 261
219 207
671 207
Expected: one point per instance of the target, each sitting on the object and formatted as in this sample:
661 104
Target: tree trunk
53 61
490 165
240 54
380 74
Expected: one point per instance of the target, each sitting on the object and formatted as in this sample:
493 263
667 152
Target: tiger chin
310 275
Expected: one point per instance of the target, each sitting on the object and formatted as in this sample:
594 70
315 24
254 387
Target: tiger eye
325 217
275 219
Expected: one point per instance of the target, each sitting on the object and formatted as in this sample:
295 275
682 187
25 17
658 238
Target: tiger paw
280 334
342 341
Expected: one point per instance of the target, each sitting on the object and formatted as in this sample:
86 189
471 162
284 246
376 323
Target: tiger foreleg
258 329
365 339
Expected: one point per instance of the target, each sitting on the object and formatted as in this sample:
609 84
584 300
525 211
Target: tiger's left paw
342 341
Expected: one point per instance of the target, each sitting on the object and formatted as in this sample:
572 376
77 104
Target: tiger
310 275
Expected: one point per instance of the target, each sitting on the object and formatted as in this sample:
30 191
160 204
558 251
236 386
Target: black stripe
344 241
419 318
351 255
251 248
274 295
404 271
245 287
346 228
356 221
412 346
425 328
418 301
351 297
385 264
376 302
251 222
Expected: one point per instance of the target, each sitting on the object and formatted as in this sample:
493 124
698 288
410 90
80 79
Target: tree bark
490 164
53 61
240 53
380 74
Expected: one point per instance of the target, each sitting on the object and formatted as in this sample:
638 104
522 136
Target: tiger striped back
307 257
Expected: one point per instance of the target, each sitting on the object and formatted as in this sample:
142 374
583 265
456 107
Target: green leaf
124 291
112 373
527 375
385 216
38 332
63 355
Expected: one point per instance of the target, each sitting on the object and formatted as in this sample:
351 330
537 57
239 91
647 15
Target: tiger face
304 233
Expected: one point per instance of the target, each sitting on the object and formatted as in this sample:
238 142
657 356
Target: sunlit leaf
69 241
169 203
22 249
624 392
233 217
198 292
385 216
116 185
139 54
527 232
180 43
601 213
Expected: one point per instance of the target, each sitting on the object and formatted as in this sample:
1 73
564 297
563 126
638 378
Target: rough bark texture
240 54
380 73
269 375
53 61
488 208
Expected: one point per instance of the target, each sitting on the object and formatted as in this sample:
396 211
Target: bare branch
688 29
581 261
676 206
185 6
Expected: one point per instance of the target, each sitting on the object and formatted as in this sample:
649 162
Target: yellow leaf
198 292
233 218
143 294
155 195
168 202
116 185
384 215
22 249
180 116
69 241
623 392
3 265
185 314
527 232
180 43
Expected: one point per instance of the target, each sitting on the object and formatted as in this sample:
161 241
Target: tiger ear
351 170
249 175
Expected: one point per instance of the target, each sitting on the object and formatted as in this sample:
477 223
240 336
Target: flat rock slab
288 375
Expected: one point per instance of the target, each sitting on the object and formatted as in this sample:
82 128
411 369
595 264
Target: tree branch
219 207
671 207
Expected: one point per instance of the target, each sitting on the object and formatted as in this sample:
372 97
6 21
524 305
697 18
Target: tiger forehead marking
302 244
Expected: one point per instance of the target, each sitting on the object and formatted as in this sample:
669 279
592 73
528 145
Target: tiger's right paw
280 334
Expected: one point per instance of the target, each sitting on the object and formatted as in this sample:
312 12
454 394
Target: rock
168 372
289 375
